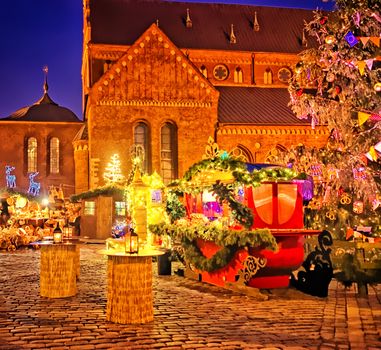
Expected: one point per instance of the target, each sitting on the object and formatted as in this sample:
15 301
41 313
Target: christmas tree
113 173
338 84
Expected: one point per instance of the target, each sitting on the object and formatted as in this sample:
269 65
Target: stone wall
13 153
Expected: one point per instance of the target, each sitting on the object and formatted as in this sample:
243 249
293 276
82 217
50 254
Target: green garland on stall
12 192
225 192
100 191
241 213
174 208
239 171
230 240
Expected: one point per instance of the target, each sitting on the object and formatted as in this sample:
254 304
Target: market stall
240 221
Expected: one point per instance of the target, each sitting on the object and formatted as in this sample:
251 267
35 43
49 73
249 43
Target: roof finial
255 23
45 69
304 40
188 21
157 22
233 39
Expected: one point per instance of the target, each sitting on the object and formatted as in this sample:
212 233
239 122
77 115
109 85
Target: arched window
204 71
32 154
238 75
168 152
268 76
54 152
141 137
275 154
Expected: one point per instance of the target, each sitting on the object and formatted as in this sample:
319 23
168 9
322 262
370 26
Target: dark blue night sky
35 33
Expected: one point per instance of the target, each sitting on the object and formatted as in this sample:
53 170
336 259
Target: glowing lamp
57 235
132 242
67 231
330 39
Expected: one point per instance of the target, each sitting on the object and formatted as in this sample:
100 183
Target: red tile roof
254 105
123 21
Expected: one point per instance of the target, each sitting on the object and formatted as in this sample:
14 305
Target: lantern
67 231
132 242
57 235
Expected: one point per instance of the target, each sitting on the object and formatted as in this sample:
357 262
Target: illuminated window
168 154
238 75
89 208
141 134
54 150
120 208
268 76
204 71
32 154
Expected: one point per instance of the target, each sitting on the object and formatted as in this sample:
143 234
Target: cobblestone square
187 314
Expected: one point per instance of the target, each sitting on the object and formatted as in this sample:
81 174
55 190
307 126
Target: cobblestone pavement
188 314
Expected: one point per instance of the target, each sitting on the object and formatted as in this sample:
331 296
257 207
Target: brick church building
167 75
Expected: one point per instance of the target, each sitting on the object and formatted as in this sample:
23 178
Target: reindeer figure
11 179
34 187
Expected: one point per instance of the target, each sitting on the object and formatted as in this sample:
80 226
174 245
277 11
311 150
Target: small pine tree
113 173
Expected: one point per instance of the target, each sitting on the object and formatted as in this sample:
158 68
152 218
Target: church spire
46 86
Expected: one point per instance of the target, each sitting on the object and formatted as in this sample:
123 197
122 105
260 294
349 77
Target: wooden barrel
129 292
58 270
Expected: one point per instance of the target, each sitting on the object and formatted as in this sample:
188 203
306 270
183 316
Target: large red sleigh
277 206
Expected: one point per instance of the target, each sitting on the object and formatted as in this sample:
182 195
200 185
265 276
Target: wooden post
58 270
129 293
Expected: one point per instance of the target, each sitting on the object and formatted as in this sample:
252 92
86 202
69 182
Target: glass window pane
168 153
32 154
54 155
89 208
120 208
141 138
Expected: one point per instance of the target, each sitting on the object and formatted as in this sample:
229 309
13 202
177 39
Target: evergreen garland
230 240
175 209
101 191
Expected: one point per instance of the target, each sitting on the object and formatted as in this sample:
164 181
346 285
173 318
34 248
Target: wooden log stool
58 270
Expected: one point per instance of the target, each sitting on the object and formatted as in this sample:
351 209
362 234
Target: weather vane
45 69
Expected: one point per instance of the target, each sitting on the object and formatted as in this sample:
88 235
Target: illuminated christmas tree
338 84
113 173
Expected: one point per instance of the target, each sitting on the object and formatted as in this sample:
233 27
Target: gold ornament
345 198
331 215
358 207
377 87
330 77
314 204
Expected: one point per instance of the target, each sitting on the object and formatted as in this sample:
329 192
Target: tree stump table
129 290
58 269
